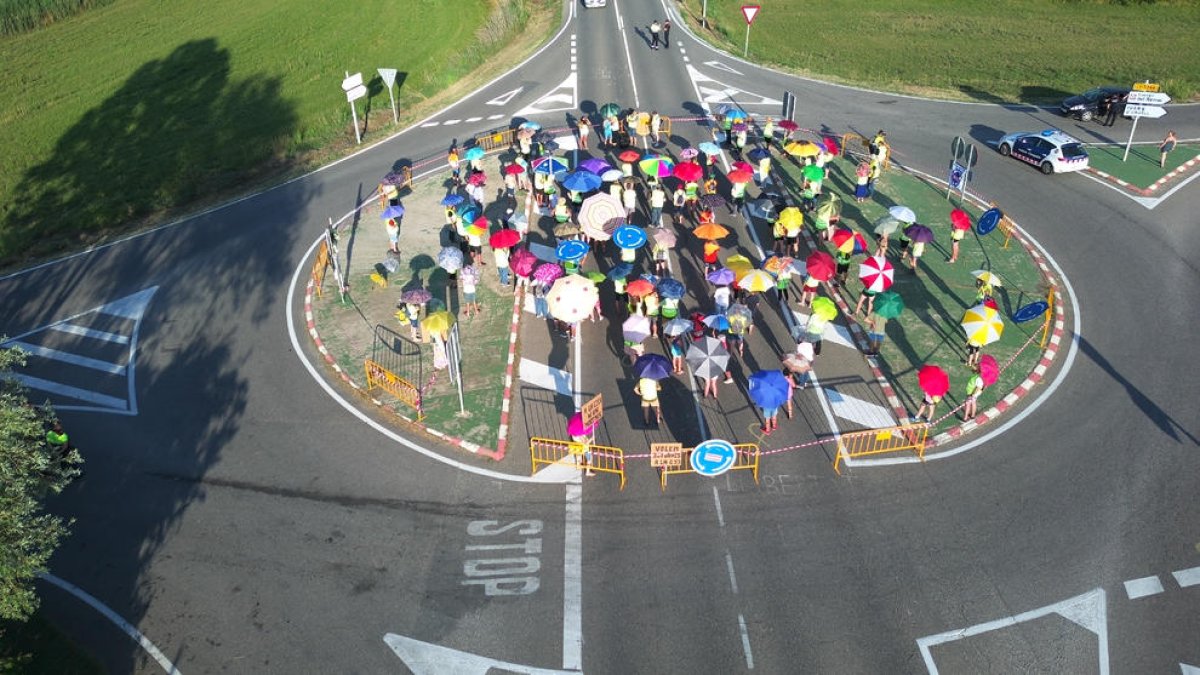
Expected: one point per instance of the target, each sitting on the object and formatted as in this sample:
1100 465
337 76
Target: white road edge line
128 628
628 57
572 643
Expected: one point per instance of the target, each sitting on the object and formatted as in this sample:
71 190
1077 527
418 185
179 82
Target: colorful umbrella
629 156
479 227
639 287
824 308
473 153
769 388
711 232
876 273
620 271
791 218
987 278
653 366
707 357
636 328
549 166
611 175
903 214
571 250
504 239
438 322
718 322
513 169
575 426
960 220
664 237
788 125
671 288
709 148
468 212
452 200
597 211
572 298
886 225
982 324
889 305
595 165
733 113
610 110
802 149
581 181
820 265
548 272
522 262
843 239
813 172
919 233
629 236
776 264
676 326
657 167
721 277
393 211
757 281
740 265
416 296
689 153
933 380
989 370
450 258
688 172
739 176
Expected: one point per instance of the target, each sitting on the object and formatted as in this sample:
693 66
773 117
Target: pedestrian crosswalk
87 361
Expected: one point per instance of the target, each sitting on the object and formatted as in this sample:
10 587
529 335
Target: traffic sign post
353 86
713 457
749 11
1143 101
389 80
962 158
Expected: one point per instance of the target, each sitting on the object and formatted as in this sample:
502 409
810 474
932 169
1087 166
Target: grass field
1032 51
204 99
1141 168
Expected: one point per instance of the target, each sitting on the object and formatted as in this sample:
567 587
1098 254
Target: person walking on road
585 130
655 29
1165 148
648 389
666 31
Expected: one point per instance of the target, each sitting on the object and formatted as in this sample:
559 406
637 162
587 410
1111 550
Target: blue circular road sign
1031 311
988 221
713 457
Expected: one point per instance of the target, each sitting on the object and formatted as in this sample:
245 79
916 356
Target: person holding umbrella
647 388
960 222
585 436
768 132
934 384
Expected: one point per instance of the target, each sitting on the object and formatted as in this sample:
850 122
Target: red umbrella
876 273
740 176
629 156
788 125
820 266
639 287
831 145
988 302
504 239
477 179
960 220
514 169
989 370
688 172
741 166
933 380
522 262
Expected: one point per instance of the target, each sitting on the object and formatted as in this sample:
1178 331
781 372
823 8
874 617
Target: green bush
19 16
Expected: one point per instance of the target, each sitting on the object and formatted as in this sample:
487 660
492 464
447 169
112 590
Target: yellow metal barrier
600 458
320 264
496 139
402 389
1049 317
879 441
747 459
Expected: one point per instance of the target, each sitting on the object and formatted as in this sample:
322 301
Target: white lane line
68 357
430 124
717 502
473 119
546 377
1140 588
128 628
449 122
746 642
91 333
1186 578
628 56
732 576
578 368
88 395
573 578
495 117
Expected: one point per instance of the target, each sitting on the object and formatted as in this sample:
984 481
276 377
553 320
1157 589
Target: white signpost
353 86
389 80
1141 103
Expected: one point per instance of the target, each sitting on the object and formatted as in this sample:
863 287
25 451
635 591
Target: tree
29 470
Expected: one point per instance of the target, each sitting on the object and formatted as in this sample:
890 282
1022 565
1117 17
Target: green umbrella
596 277
610 109
824 308
889 304
814 172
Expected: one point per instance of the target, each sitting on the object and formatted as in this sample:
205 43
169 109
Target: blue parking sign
713 457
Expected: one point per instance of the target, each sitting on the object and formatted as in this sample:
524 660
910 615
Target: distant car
1051 150
595 3
1087 105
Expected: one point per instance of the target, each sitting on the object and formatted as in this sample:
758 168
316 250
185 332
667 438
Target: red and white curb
1149 191
514 332
469 446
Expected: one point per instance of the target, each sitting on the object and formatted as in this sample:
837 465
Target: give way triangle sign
750 11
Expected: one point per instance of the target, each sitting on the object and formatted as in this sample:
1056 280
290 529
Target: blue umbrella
452 200
530 125
473 153
734 113
758 154
549 165
768 388
721 277
709 148
571 250
717 322
629 236
468 212
671 288
653 366
581 181
620 271
394 211
594 165
650 277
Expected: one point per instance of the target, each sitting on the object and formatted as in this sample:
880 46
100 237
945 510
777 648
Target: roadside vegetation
1002 51
18 16
203 101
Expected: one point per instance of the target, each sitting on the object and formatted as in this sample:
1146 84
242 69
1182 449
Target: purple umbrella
653 366
721 277
416 296
919 233
547 272
594 165
522 262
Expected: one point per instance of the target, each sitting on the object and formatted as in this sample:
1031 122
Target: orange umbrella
711 231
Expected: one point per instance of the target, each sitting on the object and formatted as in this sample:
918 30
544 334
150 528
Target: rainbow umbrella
820 265
572 298
933 380
824 308
876 273
989 370
982 324
656 166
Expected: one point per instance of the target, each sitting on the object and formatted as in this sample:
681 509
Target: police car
1050 150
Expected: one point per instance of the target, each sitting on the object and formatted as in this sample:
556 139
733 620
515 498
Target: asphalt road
245 522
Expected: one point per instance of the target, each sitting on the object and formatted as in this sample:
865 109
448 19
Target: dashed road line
1140 588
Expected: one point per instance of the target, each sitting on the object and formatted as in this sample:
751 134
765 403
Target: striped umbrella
757 281
982 324
597 212
876 273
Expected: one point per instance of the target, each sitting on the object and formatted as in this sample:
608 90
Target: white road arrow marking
856 410
565 93
1185 669
423 658
504 98
721 66
716 92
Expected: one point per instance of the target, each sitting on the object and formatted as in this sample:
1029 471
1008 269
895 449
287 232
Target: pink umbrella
960 220
831 145
820 266
788 125
688 172
689 153
547 272
477 179
989 370
933 380
575 426
522 262
741 166
876 273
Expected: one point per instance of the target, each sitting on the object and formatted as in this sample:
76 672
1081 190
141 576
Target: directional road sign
1151 111
713 457
1145 86
1147 98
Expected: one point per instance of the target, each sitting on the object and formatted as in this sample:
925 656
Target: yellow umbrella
711 231
791 218
802 149
438 322
756 281
987 278
982 325
740 265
